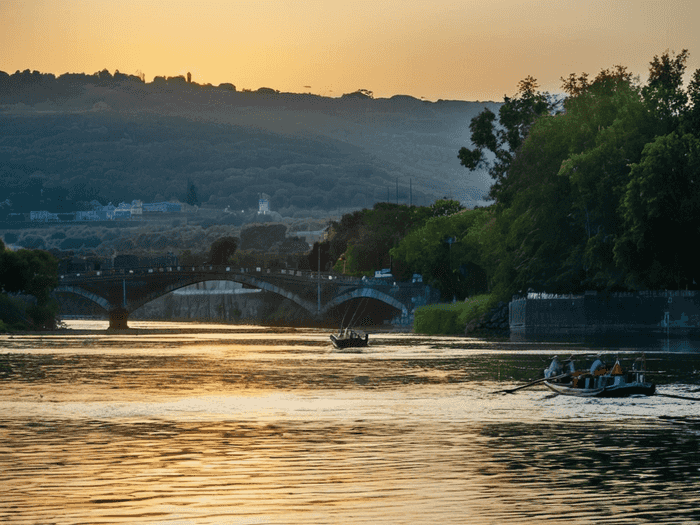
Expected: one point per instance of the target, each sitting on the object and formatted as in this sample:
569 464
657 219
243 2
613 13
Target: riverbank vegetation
450 318
23 273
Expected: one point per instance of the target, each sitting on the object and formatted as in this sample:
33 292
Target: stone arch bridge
122 291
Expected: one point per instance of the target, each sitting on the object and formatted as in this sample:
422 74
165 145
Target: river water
187 423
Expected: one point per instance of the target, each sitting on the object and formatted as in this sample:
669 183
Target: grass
450 318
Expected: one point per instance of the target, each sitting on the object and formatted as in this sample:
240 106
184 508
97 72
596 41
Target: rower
554 368
597 365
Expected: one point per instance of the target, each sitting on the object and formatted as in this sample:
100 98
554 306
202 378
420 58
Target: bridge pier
118 318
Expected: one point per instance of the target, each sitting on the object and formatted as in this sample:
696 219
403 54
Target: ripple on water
205 428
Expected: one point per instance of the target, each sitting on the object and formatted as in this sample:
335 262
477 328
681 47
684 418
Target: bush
12 314
450 319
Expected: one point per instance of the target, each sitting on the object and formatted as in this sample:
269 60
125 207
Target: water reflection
238 425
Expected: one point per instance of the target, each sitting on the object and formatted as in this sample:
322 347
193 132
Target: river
223 424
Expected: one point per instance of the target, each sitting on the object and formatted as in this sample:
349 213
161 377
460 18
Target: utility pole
318 281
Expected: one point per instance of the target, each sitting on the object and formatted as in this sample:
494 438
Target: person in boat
555 368
598 365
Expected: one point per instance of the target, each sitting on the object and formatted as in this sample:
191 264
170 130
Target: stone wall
667 310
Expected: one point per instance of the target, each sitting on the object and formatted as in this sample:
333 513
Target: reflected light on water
172 423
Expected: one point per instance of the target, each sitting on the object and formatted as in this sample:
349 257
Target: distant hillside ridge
117 138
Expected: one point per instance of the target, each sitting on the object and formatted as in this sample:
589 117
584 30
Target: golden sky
449 49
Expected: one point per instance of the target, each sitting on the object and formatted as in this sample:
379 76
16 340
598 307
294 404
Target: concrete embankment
673 312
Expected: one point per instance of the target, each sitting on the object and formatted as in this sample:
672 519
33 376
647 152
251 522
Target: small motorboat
349 339
598 380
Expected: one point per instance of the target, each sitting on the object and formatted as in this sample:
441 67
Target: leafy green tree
501 140
444 253
661 212
558 215
664 92
222 250
442 207
34 272
690 120
608 126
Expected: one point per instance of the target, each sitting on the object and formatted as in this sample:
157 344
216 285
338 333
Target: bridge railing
207 268
214 270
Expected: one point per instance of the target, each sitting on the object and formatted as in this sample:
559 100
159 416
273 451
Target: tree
603 195
609 124
443 207
360 94
661 212
34 272
222 250
691 117
664 90
515 117
191 197
443 251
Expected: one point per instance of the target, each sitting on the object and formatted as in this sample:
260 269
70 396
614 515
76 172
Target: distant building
91 215
151 207
43 216
264 204
124 211
136 208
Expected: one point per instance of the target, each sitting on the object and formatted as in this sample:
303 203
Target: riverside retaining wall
666 311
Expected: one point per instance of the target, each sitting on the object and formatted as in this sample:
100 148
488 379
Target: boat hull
349 342
624 390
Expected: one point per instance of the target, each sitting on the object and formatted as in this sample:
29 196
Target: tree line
598 189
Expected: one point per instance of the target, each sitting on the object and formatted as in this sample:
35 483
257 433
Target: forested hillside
75 138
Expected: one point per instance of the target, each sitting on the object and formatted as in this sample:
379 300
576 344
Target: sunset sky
449 49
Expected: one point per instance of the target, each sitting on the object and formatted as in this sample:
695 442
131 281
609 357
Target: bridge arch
77 290
120 292
249 280
370 293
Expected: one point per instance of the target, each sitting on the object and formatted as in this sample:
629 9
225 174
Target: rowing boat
598 380
349 339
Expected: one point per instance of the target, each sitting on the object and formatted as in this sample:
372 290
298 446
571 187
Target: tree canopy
602 194
33 272
222 250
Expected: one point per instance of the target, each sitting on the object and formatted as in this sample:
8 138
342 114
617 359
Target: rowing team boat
599 380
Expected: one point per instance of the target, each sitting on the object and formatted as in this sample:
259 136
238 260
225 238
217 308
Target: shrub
450 319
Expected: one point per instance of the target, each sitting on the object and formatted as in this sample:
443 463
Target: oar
511 390
678 397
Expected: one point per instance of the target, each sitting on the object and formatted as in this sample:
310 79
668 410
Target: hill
67 140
